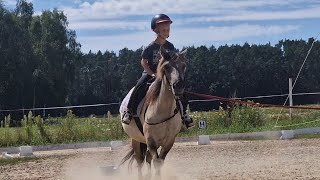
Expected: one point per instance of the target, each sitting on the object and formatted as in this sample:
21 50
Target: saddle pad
125 101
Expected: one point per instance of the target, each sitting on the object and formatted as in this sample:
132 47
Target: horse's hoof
157 177
147 177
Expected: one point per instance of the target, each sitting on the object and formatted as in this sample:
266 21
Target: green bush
28 126
7 133
247 117
235 119
68 129
44 135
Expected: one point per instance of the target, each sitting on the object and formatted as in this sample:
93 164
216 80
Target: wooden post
44 112
290 96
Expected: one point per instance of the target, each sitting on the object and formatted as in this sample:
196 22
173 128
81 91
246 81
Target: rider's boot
187 120
126 118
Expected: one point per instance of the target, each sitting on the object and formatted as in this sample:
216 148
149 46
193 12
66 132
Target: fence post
44 112
1 117
290 97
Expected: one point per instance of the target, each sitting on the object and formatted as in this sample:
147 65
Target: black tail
130 155
127 157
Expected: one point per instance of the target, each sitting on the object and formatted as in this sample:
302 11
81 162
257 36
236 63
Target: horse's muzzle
178 88
178 91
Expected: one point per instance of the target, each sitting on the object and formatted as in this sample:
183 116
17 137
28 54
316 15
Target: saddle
123 107
124 104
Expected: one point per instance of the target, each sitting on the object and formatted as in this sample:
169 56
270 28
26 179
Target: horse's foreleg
152 148
148 160
160 161
165 150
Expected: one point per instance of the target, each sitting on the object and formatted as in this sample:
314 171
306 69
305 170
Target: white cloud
116 8
109 25
117 15
233 32
112 14
116 42
77 1
313 12
10 2
184 37
13 2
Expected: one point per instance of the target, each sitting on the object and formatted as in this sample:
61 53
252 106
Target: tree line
42 65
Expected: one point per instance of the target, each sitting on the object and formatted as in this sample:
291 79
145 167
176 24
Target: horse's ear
184 53
164 53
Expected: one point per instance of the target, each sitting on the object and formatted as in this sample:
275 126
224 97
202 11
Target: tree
56 51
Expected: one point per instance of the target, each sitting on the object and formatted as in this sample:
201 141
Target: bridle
177 99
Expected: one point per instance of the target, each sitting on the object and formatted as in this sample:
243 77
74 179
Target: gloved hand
153 77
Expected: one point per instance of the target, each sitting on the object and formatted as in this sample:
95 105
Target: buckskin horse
159 117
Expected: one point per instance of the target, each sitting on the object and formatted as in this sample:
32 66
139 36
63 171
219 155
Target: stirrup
126 118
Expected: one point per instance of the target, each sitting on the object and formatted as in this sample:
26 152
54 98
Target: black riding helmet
159 18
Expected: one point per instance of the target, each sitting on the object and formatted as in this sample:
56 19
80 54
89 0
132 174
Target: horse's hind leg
139 154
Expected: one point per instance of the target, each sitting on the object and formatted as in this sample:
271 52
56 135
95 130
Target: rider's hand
153 77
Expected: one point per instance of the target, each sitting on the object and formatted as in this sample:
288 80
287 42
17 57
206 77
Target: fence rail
190 101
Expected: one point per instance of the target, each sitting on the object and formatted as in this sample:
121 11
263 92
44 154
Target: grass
269 117
70 129
36 131
308 136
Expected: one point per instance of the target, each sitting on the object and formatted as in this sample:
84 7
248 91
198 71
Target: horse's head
173 67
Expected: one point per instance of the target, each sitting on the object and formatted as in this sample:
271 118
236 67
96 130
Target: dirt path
293 159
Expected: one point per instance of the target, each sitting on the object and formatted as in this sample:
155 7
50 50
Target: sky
115 24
